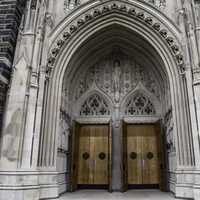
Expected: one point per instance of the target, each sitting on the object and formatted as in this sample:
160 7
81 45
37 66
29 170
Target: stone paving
130 195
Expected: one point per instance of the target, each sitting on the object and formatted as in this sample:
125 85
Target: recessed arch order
137 17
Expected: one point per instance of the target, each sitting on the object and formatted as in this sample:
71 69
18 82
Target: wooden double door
142 156
91 165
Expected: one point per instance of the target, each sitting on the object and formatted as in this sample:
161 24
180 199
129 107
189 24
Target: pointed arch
94 105
139 104
93 102
140 93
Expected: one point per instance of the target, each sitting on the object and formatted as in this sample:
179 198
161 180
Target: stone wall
3 88
10 17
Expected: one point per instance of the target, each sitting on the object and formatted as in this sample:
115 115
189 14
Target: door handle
149 155
133 155
102 156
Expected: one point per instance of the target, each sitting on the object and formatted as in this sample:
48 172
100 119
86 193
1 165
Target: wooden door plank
84 149
124 169
92 153
110 139
134 143
101 146
150 148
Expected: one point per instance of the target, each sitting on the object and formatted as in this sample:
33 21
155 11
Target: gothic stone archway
125 18
137 30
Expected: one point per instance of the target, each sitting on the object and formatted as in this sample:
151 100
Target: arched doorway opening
117 77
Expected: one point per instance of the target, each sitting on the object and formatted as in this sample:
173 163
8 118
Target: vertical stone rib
42 129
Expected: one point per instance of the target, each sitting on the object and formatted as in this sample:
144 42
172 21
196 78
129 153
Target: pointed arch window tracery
139 104
95 105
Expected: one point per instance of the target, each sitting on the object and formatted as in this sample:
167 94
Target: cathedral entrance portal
116 75
116 88
101 64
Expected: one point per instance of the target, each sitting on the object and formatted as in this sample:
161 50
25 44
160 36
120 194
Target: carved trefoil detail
94 105
139 104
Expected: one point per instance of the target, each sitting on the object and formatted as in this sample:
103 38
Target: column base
187 184
29 185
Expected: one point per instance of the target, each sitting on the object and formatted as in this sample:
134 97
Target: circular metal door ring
85 155
150 155
102 155
133 155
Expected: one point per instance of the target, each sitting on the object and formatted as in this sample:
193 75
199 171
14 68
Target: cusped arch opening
93 103
140 104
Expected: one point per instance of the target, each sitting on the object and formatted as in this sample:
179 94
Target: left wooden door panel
91 155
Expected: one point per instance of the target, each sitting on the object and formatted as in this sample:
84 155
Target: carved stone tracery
168 127
139 104
64 131
118 82
157 3
71 4
95 105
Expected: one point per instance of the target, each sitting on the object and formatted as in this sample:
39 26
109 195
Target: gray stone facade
115 52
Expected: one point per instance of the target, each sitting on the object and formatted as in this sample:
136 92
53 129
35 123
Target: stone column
196 85
116 151
191 63
116 159
17 167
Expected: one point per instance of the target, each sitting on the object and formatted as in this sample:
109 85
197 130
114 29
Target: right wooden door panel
142 155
